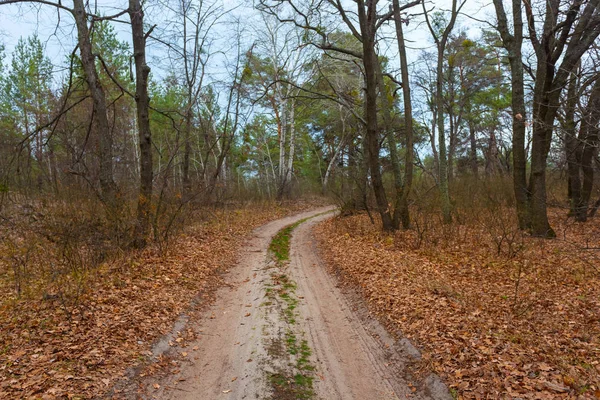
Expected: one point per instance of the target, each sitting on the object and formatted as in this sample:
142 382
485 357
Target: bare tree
513 43
581 148
402 211
441 39
142 99
190 54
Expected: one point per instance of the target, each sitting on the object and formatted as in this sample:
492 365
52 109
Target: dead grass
519 319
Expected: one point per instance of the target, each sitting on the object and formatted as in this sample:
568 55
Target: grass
295 382
294 387
280 245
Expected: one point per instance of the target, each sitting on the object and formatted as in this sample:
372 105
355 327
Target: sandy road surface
286 332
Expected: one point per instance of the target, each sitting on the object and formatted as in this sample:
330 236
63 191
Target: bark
392 145
100 116
589 138
331 163
513 44
335 155
187 150
578 31
491 166
367 19
439 102
402 207
283 126
572 150
443 159
142 99
453 128
473 150
292 144
590 141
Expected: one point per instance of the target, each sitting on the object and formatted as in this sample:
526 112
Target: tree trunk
589 140
292 145
282 150
473 150
142 99
492 163
590 145
439 103
513 44
392 145
402 209
335 156
572 151
187 150
100 116
330 165
443 159
579 31
367 24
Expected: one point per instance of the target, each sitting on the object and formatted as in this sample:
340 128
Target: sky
59 38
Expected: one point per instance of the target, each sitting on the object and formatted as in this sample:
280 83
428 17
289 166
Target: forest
142 142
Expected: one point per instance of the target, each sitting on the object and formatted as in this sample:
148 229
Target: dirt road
282 329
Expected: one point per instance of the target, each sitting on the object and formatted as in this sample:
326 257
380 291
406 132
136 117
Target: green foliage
29 81
114 53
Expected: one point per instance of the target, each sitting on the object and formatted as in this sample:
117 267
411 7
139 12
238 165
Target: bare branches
302 21
43 2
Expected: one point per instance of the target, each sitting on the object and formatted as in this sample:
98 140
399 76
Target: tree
189 53
334 104
29 84
88 60
567 33
513 43
402 207
474 96
363 22
440 36
582 147
276 70
142 100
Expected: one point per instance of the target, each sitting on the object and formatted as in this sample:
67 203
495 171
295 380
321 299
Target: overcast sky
60 38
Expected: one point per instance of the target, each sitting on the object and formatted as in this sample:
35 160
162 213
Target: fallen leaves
493 326
123 307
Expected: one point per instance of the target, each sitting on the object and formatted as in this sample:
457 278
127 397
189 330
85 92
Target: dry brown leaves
523 325
46 352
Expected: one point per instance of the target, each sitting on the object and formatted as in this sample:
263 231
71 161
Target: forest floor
233 311
75 336
281 328
496 313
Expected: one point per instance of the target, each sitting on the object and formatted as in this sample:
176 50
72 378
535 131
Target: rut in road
282 329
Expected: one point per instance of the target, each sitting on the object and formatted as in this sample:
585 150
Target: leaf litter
126 305
493 326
